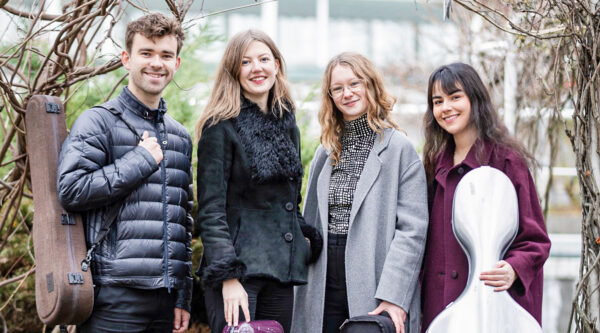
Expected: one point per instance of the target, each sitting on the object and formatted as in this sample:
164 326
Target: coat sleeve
86 179
402 265
214 169
184 296
309 231
310 201
531 247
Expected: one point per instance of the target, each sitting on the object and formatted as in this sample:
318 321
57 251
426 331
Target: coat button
461 170
289 206
288 237
454 275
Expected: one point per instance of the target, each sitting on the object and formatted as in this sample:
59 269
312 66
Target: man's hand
234 297
397 314
151 144
501 277
181 321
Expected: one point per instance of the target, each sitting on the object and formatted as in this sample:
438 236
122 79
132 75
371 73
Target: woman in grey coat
367 194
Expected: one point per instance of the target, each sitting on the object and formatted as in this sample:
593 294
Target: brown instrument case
64 292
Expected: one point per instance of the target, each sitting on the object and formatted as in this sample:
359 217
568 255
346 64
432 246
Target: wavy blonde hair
379 102
224 101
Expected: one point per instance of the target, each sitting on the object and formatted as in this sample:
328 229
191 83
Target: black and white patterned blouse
357 142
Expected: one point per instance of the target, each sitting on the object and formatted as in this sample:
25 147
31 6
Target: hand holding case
256 326
369 324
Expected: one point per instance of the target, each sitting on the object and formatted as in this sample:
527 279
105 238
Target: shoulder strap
111 106
109 219
112 211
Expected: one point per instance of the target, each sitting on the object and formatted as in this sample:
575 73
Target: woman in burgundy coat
463 131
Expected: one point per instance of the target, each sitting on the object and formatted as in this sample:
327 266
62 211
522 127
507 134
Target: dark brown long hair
488 124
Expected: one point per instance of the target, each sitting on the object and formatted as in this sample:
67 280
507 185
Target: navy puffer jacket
101 164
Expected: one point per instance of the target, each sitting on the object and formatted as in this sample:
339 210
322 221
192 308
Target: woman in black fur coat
256 244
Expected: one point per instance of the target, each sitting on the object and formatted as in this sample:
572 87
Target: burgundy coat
445 265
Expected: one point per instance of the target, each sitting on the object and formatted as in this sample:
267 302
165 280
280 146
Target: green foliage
15 260
183 102
308 143
92 92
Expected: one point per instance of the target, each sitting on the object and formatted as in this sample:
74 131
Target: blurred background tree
65 55
562 39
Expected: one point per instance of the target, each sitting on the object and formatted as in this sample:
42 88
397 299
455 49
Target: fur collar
267 143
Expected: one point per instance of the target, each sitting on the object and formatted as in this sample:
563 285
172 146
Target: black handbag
368 324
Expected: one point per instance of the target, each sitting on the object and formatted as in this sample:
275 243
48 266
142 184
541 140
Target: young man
142 268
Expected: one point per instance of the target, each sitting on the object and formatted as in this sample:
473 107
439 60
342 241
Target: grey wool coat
386 236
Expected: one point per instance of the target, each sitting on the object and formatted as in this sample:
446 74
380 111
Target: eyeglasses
337 91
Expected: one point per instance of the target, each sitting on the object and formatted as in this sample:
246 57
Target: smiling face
258 72
151 65
348 92
452 111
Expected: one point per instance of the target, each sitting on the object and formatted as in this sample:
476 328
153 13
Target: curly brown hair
380 102
154 25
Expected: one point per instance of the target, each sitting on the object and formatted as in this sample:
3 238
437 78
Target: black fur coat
249 181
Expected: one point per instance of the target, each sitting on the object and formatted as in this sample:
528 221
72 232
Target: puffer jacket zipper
163 175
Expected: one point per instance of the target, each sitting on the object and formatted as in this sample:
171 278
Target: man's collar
137 107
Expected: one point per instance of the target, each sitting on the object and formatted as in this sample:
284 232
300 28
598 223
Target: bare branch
42 16
16 278
515 29
230 9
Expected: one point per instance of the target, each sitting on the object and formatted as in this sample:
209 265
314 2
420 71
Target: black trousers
336 297
267 299
130 310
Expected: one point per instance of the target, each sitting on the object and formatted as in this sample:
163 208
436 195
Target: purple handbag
257 326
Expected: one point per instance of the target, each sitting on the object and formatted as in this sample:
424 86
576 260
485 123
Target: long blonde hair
224 101
379 102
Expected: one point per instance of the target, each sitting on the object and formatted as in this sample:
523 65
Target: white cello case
485 220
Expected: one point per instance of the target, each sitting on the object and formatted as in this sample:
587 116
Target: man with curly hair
126 166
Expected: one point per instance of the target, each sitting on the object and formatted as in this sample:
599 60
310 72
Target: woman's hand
397 314
502 276
234 297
